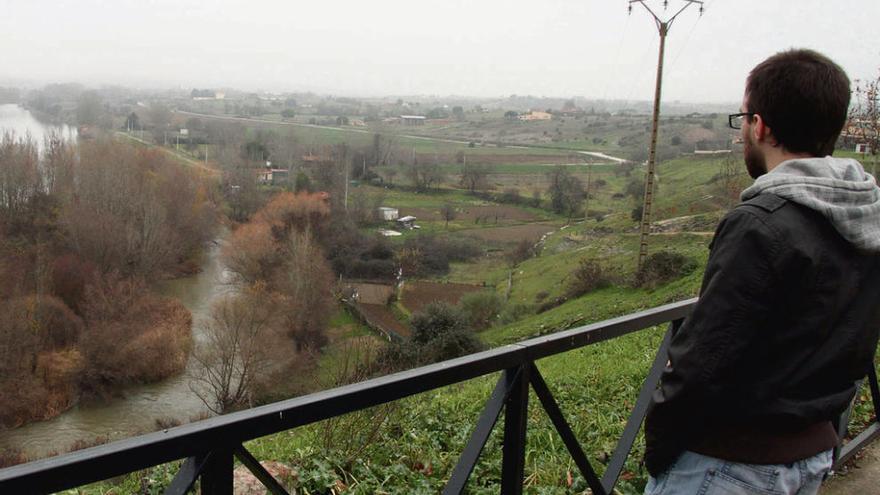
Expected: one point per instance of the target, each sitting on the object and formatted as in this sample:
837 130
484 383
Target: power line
613 79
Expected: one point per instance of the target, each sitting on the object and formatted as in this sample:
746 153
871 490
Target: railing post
216 478
515 415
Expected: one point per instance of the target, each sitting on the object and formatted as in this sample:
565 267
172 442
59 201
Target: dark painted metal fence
210 447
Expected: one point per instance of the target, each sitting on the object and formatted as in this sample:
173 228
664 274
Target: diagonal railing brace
568 438
634 423
480 436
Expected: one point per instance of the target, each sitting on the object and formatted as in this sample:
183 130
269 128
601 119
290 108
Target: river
20 121
138 408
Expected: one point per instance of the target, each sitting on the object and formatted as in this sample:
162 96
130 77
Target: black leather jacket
787 321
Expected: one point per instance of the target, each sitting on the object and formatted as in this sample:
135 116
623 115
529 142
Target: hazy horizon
493 49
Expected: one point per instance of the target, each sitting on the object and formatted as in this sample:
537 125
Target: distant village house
536 115
412 119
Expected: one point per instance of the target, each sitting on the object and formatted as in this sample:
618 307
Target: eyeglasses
735 120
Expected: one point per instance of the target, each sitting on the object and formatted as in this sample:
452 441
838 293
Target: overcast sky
561 48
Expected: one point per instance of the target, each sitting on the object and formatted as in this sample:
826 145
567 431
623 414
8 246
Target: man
789 311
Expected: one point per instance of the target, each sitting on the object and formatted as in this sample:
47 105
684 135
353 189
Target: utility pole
663 28
345 201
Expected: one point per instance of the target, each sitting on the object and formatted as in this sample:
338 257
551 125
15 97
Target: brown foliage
251 252
19 174
288 212
11 457
133 336
134 210
31 325
306 283
69 277
278 250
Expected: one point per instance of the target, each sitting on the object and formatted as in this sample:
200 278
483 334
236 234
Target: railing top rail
127 455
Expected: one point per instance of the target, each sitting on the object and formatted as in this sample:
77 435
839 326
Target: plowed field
418 294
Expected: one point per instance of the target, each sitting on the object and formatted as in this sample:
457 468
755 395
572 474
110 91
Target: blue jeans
697 474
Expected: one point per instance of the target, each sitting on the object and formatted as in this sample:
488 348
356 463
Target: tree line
83 231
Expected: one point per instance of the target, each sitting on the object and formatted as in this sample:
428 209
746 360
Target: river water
138 408
22 123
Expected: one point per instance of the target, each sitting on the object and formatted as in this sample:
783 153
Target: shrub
428 255
481 308
587 277
515 312
11 457
132 335
523 250
662 267
552 303
636 188
462 249
439 333
511 195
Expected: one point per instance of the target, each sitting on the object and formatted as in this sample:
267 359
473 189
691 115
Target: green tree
566 191
302 183
89 109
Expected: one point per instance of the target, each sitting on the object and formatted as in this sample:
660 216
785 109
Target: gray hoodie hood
838 188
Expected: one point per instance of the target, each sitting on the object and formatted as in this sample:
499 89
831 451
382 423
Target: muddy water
138 408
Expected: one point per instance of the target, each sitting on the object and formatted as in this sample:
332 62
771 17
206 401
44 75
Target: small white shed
388 213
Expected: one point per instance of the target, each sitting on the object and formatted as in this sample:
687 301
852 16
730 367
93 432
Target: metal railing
209 447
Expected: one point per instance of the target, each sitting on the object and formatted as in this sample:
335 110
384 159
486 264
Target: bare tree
306 286
424 177
60 157
160 117
237 352
863 126
731 180
447 212
475 177
19 173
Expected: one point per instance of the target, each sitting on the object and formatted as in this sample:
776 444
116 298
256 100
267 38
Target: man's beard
756 164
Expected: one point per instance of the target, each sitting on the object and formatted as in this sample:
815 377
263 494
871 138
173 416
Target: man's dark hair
803 97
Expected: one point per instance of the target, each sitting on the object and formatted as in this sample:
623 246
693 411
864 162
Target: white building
388 213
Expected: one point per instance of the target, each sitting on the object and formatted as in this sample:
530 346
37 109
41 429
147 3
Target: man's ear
761 132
